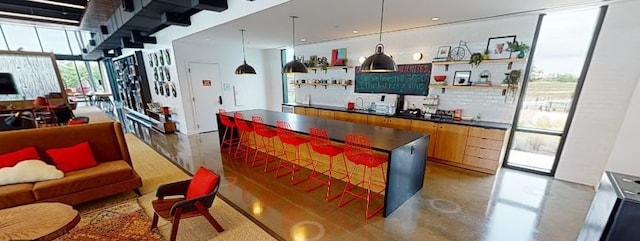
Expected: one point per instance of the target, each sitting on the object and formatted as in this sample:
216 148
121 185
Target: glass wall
550 90
79 77
289 90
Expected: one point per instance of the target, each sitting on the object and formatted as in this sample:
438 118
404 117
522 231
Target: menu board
410 79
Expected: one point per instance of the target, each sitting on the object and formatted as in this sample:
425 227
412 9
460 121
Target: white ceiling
322 20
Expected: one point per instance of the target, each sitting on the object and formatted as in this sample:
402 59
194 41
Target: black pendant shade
244 68
379 62
294 66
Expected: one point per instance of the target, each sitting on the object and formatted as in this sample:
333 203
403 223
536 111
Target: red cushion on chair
12 158
202 183
73 158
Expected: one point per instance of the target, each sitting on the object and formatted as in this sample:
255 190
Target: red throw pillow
202 183
73 158
12 158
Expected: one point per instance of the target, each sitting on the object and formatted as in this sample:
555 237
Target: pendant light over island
379 62
244 68
294 66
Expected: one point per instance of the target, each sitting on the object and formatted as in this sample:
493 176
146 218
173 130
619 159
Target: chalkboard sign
410 79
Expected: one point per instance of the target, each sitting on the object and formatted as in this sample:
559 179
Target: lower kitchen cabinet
327 114
430 128
450 142
311 112
359 118
299 110
342 116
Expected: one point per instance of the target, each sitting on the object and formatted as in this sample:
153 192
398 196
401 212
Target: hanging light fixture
379 62
294 66
244 68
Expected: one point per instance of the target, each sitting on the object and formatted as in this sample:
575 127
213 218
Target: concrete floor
454 204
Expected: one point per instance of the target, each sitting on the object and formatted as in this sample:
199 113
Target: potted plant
519 47
475 59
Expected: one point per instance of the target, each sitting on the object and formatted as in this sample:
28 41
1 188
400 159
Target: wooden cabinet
485 149
327 114
359 118
391 122
299 110
311 112
430 128
342 116
450 142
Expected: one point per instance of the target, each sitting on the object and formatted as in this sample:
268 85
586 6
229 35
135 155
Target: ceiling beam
178 19
125 42
211 5
136 36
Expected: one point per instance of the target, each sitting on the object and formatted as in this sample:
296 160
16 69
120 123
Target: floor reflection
454 204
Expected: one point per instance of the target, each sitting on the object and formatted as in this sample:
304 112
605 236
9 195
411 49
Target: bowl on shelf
439 78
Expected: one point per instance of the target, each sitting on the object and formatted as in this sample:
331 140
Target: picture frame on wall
443 52
497 47
462 77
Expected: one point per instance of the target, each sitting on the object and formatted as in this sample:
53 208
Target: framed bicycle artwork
497 47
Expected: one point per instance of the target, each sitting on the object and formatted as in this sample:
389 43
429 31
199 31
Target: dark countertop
382 138
483 124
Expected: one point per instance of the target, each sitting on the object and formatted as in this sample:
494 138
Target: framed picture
497 47
443 52
462 78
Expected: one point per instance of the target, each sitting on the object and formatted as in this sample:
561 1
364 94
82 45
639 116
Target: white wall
624 156
605 97
402 45
273 79
251 88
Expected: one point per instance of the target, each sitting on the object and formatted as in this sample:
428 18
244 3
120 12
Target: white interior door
206 87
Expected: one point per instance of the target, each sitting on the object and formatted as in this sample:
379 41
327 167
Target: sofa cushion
29 171
12 158
16 194
101 175
73 158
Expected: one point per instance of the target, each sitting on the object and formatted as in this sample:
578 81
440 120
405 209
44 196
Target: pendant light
379 62
294 66
244 68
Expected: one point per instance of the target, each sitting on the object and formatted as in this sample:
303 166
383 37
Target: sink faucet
361 106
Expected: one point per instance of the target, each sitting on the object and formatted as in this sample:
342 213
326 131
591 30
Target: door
450 142
206 90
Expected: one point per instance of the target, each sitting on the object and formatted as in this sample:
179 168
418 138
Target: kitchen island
406 150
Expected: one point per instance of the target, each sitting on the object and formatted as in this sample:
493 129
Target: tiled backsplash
489 103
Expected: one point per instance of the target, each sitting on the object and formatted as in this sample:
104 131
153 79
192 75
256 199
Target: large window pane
69 75
533 151
21 37
73 39
54 40
3 44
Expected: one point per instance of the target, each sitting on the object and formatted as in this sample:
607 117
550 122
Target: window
21 37
54 40
289 91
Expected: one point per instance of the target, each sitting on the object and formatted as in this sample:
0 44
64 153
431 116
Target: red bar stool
269 146
288 137
320 143
358 150
245 130
229 126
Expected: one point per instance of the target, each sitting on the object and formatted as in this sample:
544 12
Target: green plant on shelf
519 47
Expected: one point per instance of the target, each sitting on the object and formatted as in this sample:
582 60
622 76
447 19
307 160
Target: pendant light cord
244 56
381 18
293 37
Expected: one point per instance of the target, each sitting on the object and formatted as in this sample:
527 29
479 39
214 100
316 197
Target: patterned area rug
125 220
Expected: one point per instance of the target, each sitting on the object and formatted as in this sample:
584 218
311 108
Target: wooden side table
38 221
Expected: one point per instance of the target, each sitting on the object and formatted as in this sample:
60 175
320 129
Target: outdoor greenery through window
550 90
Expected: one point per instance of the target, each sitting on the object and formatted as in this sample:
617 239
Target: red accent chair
245 130
288 137
268 145
198 196
229 126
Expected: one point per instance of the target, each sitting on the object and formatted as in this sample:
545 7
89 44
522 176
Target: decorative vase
521 54
485 56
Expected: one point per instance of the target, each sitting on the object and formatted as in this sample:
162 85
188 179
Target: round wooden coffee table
38 221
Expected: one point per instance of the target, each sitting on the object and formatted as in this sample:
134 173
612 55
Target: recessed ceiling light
355 31
303 39
38 17
435 19
58 4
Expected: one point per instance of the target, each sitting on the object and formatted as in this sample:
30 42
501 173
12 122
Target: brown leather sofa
113 174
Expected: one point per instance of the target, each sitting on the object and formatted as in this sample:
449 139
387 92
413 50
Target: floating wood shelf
321 84
315 69
476 87
509 62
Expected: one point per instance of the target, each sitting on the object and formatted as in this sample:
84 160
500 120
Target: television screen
7 86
